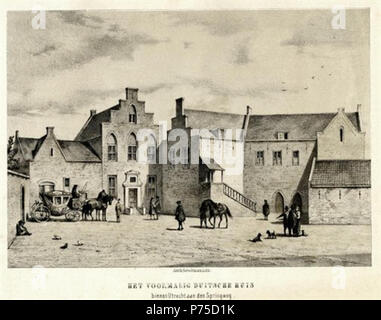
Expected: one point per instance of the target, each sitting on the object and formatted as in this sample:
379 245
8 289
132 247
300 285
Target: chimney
179 107
93 112
16 135
341 110
49 131
248 110
132 94
359 107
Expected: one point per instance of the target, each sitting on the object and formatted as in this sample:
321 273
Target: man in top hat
180 215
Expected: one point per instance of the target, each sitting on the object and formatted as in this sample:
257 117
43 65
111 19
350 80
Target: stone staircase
239 205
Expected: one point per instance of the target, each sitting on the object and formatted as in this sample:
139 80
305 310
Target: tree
12 151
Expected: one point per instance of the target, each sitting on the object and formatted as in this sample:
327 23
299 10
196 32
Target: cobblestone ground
139 242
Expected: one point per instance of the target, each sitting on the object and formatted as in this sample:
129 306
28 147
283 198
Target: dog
257 238
271 235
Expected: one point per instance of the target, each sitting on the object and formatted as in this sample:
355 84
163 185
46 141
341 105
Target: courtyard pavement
140 242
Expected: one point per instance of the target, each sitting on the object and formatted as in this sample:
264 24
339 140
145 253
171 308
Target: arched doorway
279 203
297 200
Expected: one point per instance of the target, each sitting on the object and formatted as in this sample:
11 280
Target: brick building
237 159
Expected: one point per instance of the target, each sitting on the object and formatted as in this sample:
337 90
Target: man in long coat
266 210
180 215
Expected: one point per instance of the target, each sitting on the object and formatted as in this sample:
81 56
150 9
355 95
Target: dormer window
282 135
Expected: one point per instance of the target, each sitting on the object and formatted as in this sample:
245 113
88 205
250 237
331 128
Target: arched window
151 150
341 134
112 148
132 114
132 146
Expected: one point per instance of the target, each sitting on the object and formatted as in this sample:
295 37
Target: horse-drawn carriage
57 203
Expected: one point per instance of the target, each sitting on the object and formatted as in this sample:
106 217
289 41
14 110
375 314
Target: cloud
46 50
79 18
218 23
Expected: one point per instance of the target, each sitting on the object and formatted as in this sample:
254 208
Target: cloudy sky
275 61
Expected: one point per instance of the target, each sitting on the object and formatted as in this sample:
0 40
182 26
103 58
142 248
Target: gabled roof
92 128
30 146
211 164
299 126
72 150
78 151
200 119
341 174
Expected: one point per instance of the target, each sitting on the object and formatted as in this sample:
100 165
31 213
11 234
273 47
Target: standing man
180 215
284 215
266 210
157 207
118 210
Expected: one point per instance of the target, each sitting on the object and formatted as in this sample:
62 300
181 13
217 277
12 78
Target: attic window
282 135
51 152
341 134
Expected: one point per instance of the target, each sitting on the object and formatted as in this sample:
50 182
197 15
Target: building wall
331 148
54 169
327 207
181 182
263 182
121 128
15 184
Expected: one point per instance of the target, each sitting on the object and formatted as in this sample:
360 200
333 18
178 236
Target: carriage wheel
41 213
69 215
77 215
73 215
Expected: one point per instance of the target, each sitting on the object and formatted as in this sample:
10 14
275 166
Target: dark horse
222 210
207 205
98 205
215 210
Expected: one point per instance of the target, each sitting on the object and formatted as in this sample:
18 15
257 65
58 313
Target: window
66 184
112 186
319 194
111 148
51 152
132 146
341 134
295 158
132 114
151 187
46 187
132 179
151 150
277 158
359 194
151 154
339 194
282 135
260 159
